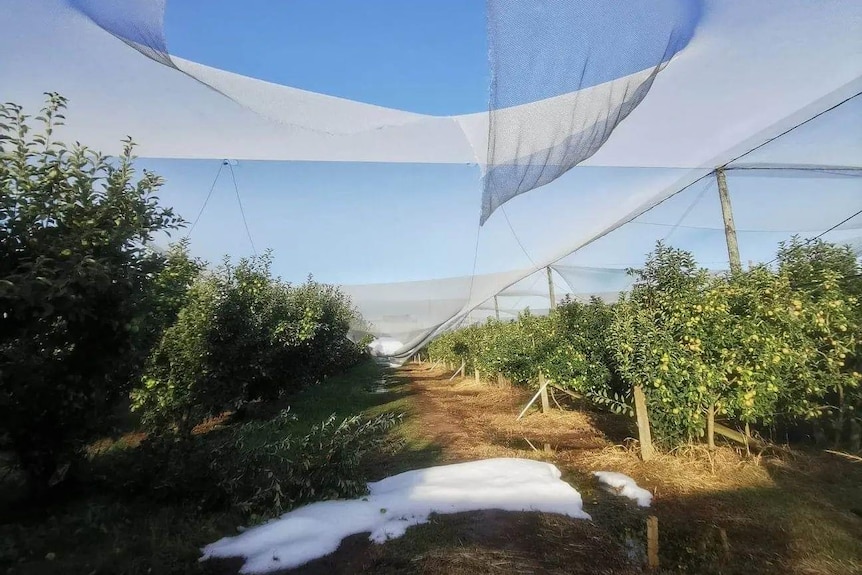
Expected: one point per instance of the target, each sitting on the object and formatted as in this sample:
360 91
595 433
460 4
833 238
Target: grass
794 512
94 533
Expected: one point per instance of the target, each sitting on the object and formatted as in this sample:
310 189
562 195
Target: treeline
92 321
762 347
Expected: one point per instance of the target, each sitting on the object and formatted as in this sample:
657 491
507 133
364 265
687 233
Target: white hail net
613 120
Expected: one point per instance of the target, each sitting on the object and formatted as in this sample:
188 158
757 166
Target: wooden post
644 435
736 436
729 226
725 543
652 542
543 388
457 371
496 309
533 399
551 295
855 435
710 426
747 438
476 374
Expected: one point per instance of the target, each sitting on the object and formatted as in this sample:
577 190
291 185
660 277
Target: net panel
768 89
588 81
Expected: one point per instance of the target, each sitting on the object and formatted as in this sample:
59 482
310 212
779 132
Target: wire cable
787 131
818 236
475 263
686 213
665 199
241 210
520 299
515 234
206 201
712 172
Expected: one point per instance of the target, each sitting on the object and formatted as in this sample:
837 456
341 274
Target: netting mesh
619 112
138 24
590 63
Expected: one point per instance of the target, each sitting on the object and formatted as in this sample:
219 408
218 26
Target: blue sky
426 56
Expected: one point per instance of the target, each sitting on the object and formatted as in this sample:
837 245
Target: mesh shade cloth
588 64
620 120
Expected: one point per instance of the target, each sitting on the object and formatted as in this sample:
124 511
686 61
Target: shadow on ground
483 542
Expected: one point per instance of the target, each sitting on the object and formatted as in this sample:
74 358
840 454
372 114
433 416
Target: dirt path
473 420
719 513
466 421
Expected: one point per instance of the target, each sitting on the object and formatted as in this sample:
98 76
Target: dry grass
791 512
481 417
131 439
721 512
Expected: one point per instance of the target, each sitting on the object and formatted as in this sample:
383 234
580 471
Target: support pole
543 389
535 397
652 542
644 435
457 371
736 436
710 427
551 295
496 309
729 226
748 437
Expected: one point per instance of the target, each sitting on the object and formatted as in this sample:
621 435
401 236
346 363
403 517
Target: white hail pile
398 502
